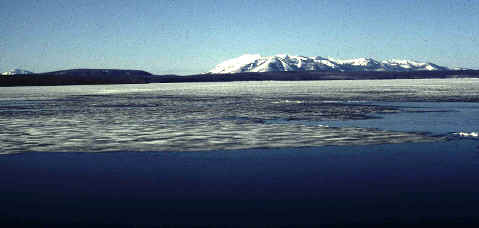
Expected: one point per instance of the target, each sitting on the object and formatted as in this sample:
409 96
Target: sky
192 36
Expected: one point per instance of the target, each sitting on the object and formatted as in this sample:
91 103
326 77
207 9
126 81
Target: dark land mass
107 76
324 75
78 77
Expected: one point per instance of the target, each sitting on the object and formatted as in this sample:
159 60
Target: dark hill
77 77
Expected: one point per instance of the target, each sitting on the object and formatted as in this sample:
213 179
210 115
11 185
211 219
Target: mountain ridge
81 76
112 76
285 62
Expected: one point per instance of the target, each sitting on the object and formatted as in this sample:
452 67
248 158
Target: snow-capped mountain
17 71
258 63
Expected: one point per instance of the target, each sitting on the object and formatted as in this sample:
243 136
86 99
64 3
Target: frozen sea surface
234 115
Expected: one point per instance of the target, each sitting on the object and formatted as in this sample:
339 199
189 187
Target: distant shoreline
104 76
316 76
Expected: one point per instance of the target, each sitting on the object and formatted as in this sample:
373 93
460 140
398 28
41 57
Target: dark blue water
390 183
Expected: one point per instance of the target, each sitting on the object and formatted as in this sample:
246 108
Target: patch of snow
17 71
467 134
429 67
236 65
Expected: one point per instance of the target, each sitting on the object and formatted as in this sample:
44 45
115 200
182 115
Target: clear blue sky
188 36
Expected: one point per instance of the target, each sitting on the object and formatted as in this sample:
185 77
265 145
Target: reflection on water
208 116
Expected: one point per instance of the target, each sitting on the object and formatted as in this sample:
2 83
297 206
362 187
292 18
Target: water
265 154
407 183
233 115
437 118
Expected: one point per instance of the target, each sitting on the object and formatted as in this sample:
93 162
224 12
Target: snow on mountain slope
283 62
17 71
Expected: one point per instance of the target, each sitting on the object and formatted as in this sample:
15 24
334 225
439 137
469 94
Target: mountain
277 63
17 71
